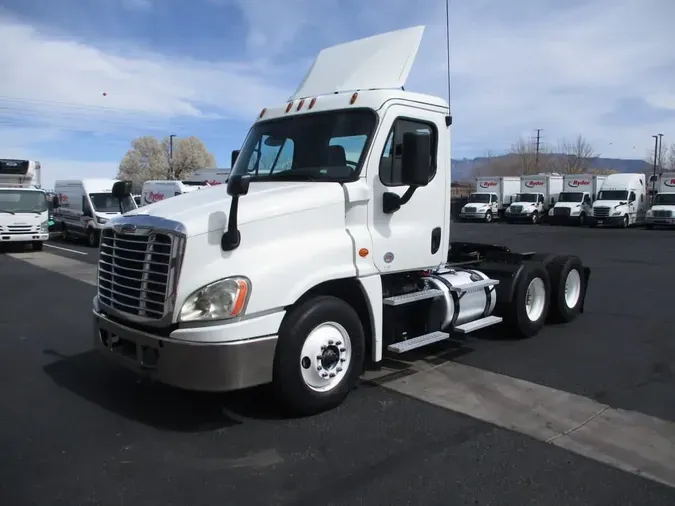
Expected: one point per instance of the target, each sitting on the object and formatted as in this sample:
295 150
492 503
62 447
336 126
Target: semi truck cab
662 212
328 247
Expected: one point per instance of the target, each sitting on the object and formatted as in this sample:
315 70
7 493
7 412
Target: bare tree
149 159
526 158
667 158
575 157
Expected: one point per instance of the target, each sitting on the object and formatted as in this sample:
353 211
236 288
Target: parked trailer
156 191
575 203
491 198
212 177
662 213
538 194
295 277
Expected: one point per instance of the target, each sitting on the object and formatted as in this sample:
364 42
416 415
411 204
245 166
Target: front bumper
472 216
562 219
662 222
611 221
518 217
191 365
33 237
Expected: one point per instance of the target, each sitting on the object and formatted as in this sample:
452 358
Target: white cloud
516 66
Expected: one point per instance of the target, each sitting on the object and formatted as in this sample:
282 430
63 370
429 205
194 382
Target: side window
540 199
390 162
84 204
587 199
632 197
642 197
273 155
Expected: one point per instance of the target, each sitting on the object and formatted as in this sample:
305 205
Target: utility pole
538 144
171 155
656 157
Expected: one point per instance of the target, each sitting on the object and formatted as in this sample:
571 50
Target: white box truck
575 203
155 191
24 210
296 276
622 201
212 176
491 198
662 213
538 194
83 206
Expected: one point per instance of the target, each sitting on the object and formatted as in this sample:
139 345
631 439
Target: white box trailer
538 193
156 191
212 177
491 198
662 212
575 203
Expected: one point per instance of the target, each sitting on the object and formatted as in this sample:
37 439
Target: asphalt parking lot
75 430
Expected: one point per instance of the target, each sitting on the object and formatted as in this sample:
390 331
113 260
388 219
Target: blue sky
599 68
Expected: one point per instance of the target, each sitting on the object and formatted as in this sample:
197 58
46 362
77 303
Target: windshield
327 146
613 195
665 199
104 203
194 183
570 197
479 198
22 201
526 197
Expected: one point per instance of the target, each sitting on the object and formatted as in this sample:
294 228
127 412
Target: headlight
44 226
550 213
575 211
616 213
223 299
101 221
650 212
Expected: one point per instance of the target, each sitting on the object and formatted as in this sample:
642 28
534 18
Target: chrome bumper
211 367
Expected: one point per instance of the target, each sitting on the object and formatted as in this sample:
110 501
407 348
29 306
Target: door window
390 162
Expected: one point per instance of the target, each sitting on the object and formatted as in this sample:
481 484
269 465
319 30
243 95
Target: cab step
408 298
488 321
418 342
474 287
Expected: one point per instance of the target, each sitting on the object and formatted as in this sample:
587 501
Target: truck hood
571 205
208 209
663 208
609 203
523 204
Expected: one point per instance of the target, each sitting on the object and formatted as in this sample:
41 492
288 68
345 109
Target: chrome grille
561 211
517 209
137 273
470 209
662 214
601 212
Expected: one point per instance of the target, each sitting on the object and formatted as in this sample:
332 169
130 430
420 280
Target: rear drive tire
526 315
312 372
568 286
38 246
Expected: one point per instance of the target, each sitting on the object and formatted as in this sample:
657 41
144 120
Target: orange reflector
363 252
262 113
288 107
312 102
354 97
241 298
300 104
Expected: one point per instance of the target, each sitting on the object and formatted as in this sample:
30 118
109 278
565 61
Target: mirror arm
392 202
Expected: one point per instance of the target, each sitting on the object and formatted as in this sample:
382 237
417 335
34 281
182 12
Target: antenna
447 48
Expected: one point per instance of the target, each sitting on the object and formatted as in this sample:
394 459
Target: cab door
416 235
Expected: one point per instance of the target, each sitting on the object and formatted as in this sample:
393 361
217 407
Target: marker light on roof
312 102
262 113
300 104
354 97
288 107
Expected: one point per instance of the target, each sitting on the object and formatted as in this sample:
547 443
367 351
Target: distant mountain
462 170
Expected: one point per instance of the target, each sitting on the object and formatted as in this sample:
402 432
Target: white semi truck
538 194
329 245
24 211
622 201
575 203
491 198
662 212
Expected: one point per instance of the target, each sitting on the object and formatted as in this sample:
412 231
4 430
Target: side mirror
653 178
552 201
55 202
416 159
238 185
122 189
87 212
235 155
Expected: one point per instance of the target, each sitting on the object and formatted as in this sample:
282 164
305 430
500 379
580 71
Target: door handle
435 240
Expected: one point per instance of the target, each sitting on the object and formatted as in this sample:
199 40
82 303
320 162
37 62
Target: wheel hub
325 356
330 357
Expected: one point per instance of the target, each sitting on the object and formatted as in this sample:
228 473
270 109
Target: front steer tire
289 384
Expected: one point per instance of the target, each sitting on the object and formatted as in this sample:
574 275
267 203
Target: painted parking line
66 249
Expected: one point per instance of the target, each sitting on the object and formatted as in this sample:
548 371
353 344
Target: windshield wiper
6 211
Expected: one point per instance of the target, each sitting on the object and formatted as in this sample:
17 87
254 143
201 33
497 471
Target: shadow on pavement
122 392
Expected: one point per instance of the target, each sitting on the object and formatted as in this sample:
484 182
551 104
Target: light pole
171 155
656 157
660 152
